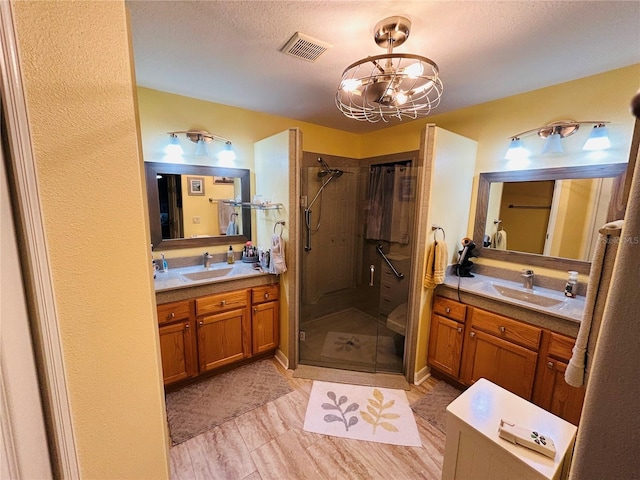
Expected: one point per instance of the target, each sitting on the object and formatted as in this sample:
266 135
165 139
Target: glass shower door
351 314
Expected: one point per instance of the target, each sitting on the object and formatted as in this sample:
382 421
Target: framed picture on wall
196 185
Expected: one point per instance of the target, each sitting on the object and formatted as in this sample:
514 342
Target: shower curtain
391 191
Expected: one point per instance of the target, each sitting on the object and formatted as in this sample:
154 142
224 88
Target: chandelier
390 85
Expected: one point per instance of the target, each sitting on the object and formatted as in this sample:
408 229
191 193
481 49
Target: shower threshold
351 377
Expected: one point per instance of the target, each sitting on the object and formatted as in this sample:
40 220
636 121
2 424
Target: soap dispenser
230 257
165 265
570 287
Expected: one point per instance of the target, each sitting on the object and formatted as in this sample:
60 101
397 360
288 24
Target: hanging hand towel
597 290
232 228
500 241
276 259
437 258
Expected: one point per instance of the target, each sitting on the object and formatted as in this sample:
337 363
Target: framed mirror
195 206
547 217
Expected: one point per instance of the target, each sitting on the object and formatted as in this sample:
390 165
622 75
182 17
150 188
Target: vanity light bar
196 135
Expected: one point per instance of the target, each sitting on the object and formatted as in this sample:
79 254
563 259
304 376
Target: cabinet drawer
520 333
449 308
561 347
170 312
267 293
221 302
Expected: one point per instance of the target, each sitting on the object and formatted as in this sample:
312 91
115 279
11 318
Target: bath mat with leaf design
372 414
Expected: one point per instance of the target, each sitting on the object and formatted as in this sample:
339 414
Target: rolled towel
598 286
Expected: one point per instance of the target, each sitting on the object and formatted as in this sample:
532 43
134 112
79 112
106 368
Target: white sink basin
206 274
528 296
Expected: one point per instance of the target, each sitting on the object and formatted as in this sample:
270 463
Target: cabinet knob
472 334
172 315
447 309
223 303
186 325
459 329
201 323
266 295
550 365
502 329
255 310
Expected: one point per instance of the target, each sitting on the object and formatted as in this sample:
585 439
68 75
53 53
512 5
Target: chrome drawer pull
448 310
266 295
223 303
502 329
172 315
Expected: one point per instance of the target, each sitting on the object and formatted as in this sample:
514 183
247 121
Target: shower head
326 169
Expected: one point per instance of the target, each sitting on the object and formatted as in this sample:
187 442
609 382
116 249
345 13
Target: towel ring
281 223
435 229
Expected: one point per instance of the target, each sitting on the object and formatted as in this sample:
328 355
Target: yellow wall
605 96
162 112
80 98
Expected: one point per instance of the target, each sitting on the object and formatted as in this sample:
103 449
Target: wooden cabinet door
265 327
557 396
177 349
222 338
445 345
499 361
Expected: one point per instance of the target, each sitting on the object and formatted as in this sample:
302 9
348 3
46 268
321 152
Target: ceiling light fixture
390 85
554 132
201 138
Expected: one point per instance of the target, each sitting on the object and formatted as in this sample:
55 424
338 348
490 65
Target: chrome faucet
527 276
207 259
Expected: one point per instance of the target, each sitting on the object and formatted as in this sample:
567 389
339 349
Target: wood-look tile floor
269 443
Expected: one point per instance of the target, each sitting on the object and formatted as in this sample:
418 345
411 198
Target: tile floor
269 443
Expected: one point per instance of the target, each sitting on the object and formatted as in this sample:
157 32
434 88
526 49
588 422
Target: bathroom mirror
569 205
187 205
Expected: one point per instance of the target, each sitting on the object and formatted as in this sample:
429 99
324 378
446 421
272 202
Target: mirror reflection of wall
557 218
203 213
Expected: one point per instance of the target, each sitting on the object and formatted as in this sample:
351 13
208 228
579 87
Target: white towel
276 257
232 228
597 290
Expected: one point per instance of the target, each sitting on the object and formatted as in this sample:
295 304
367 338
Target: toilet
397 319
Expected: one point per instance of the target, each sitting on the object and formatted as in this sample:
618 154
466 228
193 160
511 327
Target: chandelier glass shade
391 85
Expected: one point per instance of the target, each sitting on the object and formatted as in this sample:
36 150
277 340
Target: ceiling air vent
305 47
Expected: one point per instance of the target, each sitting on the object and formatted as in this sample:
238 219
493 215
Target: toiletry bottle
230 258
570 287
165 265
153 263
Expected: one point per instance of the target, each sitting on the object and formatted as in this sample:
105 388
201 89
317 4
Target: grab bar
393 269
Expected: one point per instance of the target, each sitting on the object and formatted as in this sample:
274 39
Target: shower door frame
415 300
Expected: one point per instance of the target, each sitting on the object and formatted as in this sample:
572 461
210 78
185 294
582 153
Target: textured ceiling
229 51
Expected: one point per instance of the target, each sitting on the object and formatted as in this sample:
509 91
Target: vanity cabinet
446 336
177 341
554 394
224 329
265 318
203 334
468 343
502 350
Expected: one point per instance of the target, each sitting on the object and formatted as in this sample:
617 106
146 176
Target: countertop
188 282
483 291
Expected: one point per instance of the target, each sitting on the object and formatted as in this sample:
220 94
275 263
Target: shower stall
357 233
